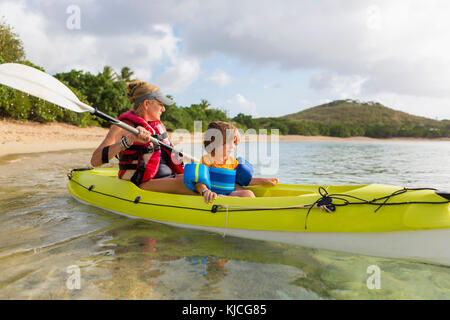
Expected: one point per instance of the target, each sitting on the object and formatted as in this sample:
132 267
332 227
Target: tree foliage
126 74
179 117
11 48
104 91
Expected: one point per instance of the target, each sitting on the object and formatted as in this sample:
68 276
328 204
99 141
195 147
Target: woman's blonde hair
137 89
228 131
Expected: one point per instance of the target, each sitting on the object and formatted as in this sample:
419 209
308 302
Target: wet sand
31 137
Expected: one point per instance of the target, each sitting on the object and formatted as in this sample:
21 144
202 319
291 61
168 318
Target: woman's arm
112 140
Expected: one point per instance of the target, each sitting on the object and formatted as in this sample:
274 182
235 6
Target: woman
148 166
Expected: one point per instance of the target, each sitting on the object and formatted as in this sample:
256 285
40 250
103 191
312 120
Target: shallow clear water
43 231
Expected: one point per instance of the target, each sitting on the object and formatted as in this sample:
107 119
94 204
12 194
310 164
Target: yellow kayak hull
283 213
117 195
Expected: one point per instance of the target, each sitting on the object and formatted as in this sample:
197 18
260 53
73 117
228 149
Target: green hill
365 114
345 118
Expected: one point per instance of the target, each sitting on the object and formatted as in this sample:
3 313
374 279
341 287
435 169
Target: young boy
220 141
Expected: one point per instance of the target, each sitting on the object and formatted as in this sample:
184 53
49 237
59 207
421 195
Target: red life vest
140 162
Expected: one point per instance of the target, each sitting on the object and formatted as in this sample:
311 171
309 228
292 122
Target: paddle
44 86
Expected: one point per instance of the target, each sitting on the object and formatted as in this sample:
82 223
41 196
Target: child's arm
257 181
200 187
207 194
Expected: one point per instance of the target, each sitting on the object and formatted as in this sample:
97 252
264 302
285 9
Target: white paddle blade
41 85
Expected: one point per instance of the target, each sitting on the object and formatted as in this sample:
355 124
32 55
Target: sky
263 58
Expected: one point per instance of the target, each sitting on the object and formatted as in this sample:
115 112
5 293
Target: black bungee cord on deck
326 201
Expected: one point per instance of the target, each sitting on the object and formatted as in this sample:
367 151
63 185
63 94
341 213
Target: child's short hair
228 131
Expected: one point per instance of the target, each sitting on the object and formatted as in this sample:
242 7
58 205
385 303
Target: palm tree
109 73
204 104
126 74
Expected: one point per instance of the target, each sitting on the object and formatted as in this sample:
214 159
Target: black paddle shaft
135 131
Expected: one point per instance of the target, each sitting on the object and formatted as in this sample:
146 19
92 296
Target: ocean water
47 237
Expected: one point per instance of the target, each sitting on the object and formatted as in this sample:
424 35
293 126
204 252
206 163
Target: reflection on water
43 231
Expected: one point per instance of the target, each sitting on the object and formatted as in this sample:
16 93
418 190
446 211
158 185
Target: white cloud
346 39
64 50
240 104
394 47
322 101
179 76
220 78
342 86
48 50
364 48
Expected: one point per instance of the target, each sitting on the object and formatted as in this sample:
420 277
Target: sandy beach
28 137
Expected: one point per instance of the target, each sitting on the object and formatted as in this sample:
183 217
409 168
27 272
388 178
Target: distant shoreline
18 137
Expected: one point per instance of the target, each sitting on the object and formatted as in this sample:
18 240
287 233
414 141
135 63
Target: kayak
372 219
